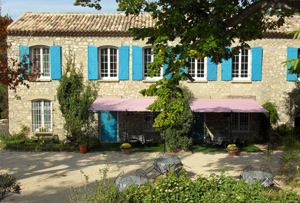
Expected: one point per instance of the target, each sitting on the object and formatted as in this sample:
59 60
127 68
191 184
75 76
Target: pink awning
226 106
119 104
197 105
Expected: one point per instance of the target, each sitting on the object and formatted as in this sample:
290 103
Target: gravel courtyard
48 176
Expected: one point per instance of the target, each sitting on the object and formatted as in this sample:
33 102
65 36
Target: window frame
146 125
239 130
249 68
152 59
34 113
108 62
41 62
195 69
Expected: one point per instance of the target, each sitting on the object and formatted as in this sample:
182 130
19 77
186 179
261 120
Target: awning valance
226 106
120 104
197 105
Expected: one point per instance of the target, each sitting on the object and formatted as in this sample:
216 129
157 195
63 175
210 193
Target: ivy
75 97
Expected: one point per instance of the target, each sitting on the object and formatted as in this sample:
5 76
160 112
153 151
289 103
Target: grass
205 147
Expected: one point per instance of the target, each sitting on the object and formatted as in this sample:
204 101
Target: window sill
43 80
151 81
242 81
107 80
198 81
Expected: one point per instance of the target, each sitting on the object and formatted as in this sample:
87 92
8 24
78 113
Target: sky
15 8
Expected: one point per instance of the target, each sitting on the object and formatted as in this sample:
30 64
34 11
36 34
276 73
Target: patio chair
134 142
149 140
247 174
141 173
267 175
123 137
152 172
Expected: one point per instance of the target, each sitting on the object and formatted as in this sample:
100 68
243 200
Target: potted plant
232 149
83 143
125 148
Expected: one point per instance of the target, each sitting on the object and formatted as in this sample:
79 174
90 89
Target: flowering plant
125 146
42 128
232 147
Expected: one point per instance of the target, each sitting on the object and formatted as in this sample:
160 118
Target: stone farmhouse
228 96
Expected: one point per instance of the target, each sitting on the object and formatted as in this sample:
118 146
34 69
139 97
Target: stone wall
273 87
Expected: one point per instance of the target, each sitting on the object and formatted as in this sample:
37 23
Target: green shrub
8 185
215 188
176 137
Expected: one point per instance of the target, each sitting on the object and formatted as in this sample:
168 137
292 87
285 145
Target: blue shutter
137 63
24 51
164 70
226 69
124 63
256 63
55 62
292 53
211 70
92 63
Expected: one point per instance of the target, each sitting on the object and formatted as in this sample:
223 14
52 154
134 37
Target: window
241 65
148 121
108 62
41 115
197 68
240 122
149 58
41 56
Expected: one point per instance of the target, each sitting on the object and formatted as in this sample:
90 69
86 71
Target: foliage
15 138
232 147
273 112
3 102
125 146
8 185
215 188
294 66
75 98
265 121
289 138
176 135
14 72
203 28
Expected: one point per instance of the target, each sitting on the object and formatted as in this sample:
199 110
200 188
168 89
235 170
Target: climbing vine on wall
75 97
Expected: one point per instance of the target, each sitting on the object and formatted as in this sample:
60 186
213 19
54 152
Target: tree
176 136
203 28
14 72
75 98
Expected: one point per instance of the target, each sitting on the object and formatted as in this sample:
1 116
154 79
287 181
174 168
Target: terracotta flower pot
126 151
233 152
83 148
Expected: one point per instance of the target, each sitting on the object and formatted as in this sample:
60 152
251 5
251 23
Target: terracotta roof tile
104 24
95 24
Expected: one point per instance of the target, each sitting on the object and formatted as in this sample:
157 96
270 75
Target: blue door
198 129
109 126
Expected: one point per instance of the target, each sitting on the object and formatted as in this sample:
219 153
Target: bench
43 136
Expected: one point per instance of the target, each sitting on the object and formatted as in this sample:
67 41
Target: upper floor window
241 64
148 58
197 68
240 122
108 62
41 115
41 56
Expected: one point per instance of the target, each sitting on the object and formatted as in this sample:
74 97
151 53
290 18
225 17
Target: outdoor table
165 165
140 138
265 178
132 180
